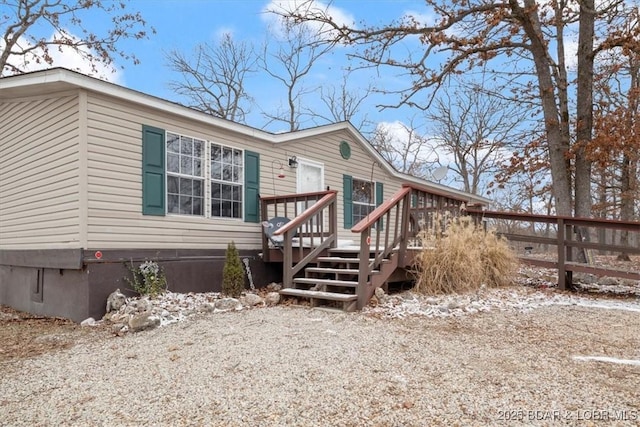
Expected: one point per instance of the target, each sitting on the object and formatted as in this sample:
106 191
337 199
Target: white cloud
306 7
425 18
63 56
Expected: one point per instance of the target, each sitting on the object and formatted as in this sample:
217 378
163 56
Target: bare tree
404 147
289 58
21 49
474 132
343 104
213 80
471 33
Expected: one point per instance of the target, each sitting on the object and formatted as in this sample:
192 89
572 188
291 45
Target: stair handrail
401 202
288 230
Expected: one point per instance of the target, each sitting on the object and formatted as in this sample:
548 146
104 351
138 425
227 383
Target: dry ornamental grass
463 258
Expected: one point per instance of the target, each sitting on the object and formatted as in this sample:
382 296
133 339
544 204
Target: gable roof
61 79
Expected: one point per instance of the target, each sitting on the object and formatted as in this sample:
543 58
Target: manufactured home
94 176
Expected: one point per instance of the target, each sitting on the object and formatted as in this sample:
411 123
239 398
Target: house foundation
75 283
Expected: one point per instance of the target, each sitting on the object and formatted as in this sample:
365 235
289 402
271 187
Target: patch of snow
520 299
607 359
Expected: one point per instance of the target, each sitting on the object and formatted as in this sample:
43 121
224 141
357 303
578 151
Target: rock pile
142 313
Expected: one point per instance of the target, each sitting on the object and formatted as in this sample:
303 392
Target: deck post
333 223
287 261
363 269
562 283
404 230
266 253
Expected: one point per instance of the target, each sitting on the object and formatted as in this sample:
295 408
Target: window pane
186 165
227 155
186 186
236 209
227 172
185 205
226 192
216 152
226 209
362 191
173 163
172 184
172 204
216 170
215 191
197 167
197 188
215 208
198 146
187 146
197 206
173 143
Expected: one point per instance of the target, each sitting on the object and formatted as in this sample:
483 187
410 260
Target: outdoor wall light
293 162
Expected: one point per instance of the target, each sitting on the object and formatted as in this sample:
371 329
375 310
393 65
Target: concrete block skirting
75 283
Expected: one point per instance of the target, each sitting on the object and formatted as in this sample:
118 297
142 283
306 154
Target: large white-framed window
226 181
185 175
363 197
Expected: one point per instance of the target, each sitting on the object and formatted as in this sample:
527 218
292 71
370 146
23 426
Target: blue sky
183 24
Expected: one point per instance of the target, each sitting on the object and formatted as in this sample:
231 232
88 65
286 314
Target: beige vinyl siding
326 149
39 183
115 217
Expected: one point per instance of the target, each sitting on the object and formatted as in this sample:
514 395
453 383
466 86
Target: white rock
205 308
89 322
143 321
272 298
251 300
226 304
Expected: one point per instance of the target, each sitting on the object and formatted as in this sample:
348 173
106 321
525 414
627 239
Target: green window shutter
347 190
379 200
251 186
153 171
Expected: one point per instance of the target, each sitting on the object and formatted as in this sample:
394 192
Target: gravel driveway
290 366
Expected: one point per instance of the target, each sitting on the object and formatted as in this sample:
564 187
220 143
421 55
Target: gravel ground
282 366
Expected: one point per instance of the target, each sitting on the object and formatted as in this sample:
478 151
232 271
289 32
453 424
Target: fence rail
572 235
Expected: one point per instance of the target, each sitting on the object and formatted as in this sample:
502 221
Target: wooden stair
331 282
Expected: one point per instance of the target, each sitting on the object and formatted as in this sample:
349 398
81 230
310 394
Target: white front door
310 176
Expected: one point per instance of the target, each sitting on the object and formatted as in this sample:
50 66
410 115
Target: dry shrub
462 258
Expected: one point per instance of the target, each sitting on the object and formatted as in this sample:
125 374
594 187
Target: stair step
312 281
339 259
356 250
334 270
331 296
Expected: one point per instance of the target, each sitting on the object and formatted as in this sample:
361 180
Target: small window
226 181
185 177
363 196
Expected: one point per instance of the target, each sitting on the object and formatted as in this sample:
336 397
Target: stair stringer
386 269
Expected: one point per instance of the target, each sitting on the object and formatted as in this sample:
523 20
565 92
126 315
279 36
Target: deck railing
387 231
313 228
569 237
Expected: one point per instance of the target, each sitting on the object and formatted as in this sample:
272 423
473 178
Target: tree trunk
558 146
628 179
584 108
